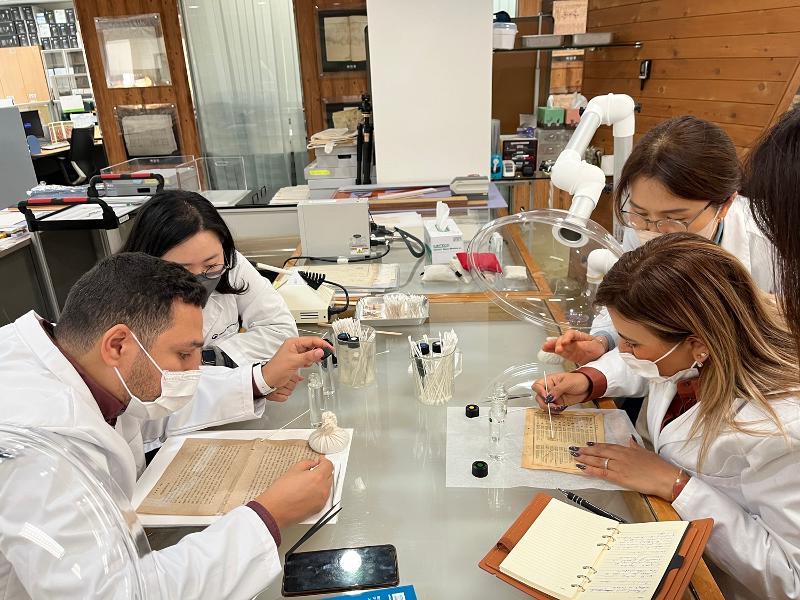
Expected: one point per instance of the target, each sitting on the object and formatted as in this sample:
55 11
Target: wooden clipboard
672 587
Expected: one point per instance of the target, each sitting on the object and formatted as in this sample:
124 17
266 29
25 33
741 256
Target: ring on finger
605 464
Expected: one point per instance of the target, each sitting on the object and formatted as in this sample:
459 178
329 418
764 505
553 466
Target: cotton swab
549 414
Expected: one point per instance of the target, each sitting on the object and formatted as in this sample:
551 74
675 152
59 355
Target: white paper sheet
11 221
468 441
170 448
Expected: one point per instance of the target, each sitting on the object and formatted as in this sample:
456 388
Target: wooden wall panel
732 62
178 94
318 87
513 74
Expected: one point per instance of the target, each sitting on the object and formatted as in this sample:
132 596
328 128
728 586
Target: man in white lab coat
129 343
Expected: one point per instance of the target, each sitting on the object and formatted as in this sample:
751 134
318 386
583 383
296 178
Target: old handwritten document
213 476
570 428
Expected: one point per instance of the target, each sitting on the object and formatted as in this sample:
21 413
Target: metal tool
549 414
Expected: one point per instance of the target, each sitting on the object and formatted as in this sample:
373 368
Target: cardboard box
441 246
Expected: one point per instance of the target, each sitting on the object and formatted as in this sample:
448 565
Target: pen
549 414
590 507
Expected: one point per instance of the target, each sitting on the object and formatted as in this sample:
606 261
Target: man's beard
143 382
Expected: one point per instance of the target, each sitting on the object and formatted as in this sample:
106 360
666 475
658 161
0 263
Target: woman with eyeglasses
185 228
242 368
682 176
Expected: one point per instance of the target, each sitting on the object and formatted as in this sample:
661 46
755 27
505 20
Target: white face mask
711 228
177 390
645 368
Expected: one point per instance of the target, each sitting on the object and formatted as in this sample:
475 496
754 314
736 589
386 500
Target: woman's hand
563 389
578 347
631 466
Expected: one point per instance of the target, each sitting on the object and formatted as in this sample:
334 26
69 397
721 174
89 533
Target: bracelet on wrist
680 482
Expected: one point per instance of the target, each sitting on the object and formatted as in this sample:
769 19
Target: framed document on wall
342 41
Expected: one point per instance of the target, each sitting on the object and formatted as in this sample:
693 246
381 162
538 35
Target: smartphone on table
340 570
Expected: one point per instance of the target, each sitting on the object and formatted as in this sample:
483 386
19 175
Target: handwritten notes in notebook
212 476
572 554
637 559
571 428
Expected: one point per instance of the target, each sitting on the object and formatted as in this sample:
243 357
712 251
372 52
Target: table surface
551 293
394 491
56 151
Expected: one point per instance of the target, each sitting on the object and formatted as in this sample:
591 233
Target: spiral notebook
556 550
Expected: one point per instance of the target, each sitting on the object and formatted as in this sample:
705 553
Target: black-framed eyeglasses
637 221
213 271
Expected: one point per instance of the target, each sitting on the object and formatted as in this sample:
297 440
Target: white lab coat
741 237
262 311
749 485
226 395
234 558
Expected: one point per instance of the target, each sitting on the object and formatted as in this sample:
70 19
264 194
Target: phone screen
340 570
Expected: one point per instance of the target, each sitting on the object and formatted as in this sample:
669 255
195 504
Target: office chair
80 156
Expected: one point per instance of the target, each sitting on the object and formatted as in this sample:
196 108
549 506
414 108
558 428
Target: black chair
81 156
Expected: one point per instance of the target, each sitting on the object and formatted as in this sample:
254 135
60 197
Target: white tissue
438 273
442 214
515 272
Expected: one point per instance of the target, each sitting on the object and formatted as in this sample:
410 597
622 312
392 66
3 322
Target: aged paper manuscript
213 476
570 428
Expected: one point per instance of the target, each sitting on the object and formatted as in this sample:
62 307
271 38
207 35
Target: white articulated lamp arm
574 175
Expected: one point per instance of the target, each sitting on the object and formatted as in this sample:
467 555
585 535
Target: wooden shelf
573 47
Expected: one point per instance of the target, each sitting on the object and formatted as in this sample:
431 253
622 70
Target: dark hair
772 183
692 158
131 288
170 218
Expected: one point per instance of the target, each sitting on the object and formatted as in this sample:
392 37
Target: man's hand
294 354
300 493
282 393
577 346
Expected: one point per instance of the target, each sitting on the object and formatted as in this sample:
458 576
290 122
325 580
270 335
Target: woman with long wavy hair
720 368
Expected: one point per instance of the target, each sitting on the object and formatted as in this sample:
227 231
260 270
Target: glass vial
328 387
497 423
316 399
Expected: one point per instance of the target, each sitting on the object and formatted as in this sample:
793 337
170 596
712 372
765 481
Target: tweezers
316 526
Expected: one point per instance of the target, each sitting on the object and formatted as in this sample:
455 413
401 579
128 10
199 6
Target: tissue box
441 246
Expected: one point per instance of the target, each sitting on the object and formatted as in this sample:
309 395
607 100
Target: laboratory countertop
394 489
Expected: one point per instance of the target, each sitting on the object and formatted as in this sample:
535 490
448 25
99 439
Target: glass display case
133 51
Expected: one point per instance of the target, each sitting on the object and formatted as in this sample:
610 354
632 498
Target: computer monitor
31 123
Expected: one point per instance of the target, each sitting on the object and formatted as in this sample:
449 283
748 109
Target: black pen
589 506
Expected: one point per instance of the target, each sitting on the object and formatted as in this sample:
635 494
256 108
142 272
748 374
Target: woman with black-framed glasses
185 228
241 368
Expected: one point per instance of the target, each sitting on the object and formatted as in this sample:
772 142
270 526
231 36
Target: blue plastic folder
405 592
